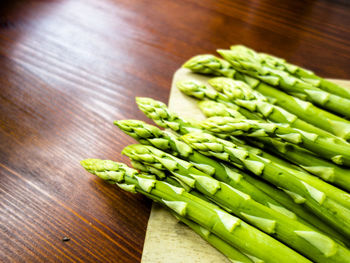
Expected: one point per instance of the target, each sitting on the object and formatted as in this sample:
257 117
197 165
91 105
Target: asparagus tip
89 163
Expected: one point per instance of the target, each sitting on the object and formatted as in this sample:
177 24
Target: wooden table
68 68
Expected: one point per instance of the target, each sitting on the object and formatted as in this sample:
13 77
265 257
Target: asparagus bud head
110 171
196 89
209 64
235 89
212 108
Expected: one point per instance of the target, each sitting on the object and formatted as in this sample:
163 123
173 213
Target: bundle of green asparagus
287 77
306 111
265 177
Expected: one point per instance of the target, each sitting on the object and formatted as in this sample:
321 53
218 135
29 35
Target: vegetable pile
265 178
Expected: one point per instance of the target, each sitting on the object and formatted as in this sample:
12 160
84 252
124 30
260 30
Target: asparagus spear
248 62
159 113
159 108
227 227
323 169
302 74
209 64
282 227
233 89
154 109
302 192
304 110
328 171
151 135
327 148
244 96
331 191
308 112
230 252
285 199
213 108
201 92
144 168
233 254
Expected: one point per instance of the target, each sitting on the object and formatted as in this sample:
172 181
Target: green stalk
227 250
150 135
232 230
160 108
303 74
209 64
330 86
168 142
233 254
315 199
325 147
331 191
213 108
230 252
286 229
323 169
248 62
304 110
201 92
141 167
308 112
159 113
284 204
244 96
170 118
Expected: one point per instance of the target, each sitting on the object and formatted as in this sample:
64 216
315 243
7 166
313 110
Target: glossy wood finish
68 68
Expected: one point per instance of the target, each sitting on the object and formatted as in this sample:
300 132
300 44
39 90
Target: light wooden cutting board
167 240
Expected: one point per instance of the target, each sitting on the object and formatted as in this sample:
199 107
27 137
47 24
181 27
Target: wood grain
69 68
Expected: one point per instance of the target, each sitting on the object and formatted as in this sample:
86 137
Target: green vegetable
249 62
289 180
244 96
304 110
213 108
326 147
201 92
328 171
230 252
303 74
159 113
227 227
151 135
333 192
318 247
209 64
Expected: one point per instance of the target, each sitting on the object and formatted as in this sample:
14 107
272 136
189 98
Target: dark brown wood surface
68 68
